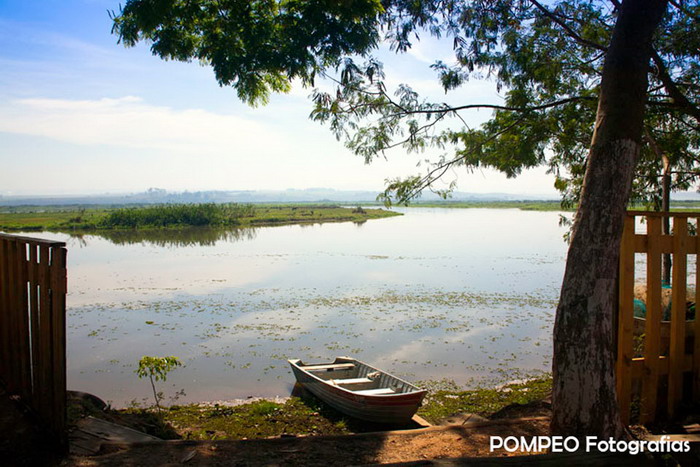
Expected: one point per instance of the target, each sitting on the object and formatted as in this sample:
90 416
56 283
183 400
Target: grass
176 215
307 416
76 218
448 401
260 419
522 205
269 215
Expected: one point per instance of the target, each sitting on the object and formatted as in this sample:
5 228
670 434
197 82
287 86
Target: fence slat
626 320
23 321
14 384
652 331
33 278
4 312
696 324
46 377
678 307
58 328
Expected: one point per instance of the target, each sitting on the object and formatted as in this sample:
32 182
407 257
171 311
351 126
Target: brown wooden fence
658 357
33 327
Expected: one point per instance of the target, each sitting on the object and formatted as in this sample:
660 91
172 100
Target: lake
467 295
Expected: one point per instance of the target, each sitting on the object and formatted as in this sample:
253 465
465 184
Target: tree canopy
545 58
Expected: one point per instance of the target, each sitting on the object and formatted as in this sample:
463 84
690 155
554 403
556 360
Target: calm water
461 294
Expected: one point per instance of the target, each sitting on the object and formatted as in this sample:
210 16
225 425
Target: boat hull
392 408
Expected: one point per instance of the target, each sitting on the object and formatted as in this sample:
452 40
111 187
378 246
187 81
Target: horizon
324 193
321 191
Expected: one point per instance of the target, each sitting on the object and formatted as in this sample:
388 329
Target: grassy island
173 216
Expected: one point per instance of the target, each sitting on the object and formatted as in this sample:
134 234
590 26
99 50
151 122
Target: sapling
157 369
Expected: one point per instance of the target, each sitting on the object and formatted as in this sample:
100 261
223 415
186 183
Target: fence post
58 329
678 307
652 332
626 320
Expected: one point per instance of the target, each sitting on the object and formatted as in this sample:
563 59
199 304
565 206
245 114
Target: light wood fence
33 327
658 357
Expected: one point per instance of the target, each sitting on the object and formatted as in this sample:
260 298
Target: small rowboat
359 390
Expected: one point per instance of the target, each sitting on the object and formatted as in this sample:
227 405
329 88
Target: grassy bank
442 403
72 218
307 416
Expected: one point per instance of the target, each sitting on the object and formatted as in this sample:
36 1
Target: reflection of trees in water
193 236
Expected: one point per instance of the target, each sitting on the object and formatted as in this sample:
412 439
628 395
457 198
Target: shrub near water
208 214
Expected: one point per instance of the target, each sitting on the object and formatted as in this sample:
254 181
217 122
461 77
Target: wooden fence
33 327
658 357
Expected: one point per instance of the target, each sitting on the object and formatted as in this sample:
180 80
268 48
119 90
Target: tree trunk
665 203
584 401
666 224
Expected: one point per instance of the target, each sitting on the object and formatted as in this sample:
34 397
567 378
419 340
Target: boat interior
359 378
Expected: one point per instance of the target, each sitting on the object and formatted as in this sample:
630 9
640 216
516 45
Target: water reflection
186 237
463 294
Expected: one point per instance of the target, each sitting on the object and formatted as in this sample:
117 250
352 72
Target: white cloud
428 49
134 144
130 123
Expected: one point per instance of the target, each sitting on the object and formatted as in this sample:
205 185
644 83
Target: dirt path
370 448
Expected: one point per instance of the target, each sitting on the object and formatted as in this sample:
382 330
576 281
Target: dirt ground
466 441
470 440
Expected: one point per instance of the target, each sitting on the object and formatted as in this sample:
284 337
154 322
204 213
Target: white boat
360 390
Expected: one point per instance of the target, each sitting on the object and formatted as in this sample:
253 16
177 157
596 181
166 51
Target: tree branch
430 177
448 109
413 134
676 95
684 10
573 34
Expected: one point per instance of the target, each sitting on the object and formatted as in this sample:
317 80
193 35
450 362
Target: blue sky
81 114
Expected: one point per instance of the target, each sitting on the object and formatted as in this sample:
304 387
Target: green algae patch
259 419
446 400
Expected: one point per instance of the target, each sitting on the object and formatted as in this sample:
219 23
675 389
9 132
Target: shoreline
77 220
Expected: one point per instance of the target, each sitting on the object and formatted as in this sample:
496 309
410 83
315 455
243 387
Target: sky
81 114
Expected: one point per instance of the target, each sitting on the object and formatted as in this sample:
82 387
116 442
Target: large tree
581 81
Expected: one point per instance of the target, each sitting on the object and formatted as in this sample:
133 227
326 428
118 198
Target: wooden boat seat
329 367
350 381
375 392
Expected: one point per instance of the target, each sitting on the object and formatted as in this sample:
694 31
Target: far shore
77 219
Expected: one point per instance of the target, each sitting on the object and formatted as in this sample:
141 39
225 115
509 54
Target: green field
72 218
